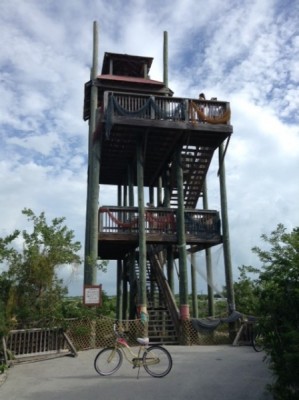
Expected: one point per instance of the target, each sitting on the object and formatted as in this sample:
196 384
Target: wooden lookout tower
156 150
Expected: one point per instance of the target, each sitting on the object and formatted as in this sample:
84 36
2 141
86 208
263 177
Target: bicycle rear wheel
258 342
157 361
108 361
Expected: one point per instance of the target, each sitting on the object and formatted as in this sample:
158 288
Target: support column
165 59
151 195
119 274
170 272
183 283
159 193
131 186
170 258
194 287
119 291
211 305
142 303
125 290
131 259
225 232
166 187
94 151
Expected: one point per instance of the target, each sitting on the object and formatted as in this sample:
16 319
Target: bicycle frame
137 359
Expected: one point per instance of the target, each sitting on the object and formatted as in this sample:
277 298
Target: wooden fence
89 333
38 343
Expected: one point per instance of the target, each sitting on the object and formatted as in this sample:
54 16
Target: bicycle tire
108 361
257 342
157 361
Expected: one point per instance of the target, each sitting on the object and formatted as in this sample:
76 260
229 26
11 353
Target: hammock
130 224
208 325
159 222
221 119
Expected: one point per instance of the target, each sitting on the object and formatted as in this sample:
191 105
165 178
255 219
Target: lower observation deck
119 229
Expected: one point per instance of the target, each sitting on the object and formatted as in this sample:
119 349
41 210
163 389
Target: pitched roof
131 79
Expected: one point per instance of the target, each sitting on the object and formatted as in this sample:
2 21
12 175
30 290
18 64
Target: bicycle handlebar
117 333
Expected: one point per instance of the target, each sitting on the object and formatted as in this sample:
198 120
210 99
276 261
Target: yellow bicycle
155 359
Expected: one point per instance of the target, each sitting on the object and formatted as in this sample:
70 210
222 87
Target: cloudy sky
244 52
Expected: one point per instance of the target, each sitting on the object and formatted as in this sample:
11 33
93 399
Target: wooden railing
200 223
130 105
38 343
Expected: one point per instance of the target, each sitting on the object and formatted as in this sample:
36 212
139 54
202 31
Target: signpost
92 295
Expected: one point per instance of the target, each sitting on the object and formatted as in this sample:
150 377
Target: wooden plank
70 344
236 341
4 350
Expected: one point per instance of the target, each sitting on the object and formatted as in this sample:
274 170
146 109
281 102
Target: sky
244 52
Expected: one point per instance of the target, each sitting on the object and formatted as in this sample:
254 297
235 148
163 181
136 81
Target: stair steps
160 327
196 161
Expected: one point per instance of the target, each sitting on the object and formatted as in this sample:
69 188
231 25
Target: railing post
152 111
186 102
227 108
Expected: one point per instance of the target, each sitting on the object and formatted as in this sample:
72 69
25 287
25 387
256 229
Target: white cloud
244 53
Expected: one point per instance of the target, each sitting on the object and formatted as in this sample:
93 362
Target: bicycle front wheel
157 361
108 361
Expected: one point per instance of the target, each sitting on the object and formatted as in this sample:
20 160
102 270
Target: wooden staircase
196 161
163 323
163 313
161 327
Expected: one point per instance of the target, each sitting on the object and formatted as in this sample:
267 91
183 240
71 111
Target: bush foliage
274 297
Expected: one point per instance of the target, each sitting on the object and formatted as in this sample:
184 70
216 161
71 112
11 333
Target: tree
35 292
278 294
6 251
247 291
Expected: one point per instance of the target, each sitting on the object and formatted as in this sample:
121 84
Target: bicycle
257 340
155 359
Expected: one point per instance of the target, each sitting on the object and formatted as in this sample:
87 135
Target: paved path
199 372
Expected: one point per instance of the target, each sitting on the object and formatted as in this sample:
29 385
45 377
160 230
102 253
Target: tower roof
126 65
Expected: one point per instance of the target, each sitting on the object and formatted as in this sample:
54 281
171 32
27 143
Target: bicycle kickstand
139 362
138 372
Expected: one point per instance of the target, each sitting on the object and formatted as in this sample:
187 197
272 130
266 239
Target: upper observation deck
165 123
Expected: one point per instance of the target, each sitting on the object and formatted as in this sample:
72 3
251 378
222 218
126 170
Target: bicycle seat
143 341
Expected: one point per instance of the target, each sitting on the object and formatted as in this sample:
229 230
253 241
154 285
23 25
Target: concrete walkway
199 372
